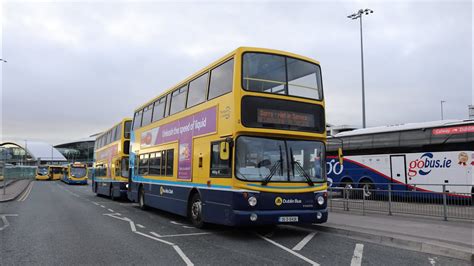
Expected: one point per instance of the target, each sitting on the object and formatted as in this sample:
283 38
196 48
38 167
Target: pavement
12 190
54 223
449 238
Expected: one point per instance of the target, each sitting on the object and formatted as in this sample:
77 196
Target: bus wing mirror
224 151
340 156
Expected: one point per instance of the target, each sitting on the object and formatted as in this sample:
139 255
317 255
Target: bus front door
398 169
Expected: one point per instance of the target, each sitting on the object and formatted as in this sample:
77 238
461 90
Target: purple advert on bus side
182 130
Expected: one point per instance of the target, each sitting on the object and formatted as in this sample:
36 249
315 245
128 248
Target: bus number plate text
288 219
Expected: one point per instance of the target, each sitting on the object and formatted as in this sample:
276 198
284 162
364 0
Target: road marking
139 225
432 260
95 203
5 221
25 195
182 255
188 227
102 206
357 257
191 234
305 241
289 250
175 247
110 210
173 222
155 234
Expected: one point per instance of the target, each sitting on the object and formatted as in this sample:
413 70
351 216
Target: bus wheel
195 211
141 198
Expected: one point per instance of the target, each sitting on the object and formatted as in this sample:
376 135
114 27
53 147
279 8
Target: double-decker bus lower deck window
219 167
155 163
281 75
221 79
169 162
143 165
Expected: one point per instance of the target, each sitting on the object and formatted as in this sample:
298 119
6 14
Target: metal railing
435 200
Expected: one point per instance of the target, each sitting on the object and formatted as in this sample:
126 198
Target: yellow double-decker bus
75 174
241 142
111 161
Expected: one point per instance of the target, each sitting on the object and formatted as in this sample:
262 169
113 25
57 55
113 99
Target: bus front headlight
252 201
320 200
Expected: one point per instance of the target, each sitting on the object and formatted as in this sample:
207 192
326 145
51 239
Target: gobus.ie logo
426 163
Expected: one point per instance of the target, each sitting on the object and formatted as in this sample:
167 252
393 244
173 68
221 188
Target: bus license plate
288 219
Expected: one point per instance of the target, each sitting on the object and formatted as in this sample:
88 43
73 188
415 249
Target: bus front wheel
195 211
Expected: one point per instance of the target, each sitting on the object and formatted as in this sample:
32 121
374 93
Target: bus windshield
278 74
78 171
43 170
274 160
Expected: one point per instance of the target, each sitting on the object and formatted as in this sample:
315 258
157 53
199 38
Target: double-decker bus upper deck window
221 79
264 73
126 133
147 112
137 120
197 90
304 79
178 100
119 132
277 74
159 109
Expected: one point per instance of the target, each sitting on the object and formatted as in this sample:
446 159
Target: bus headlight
319 215
252 201
253 217
126 186
320 200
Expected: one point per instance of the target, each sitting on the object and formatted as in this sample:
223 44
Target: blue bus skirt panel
76 182
229 207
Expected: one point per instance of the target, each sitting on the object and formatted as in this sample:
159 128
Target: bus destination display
279 117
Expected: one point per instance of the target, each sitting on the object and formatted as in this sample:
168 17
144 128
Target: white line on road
289 250
182 255
139 225
102 206
5 221
110 210
191 234
357 257
188 227
155 234
26 193
95 203
305 241
175 247
173 222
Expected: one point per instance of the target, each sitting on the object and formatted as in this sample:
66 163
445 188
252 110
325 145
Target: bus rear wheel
141 198
195 211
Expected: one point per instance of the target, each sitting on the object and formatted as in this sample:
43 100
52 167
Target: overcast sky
77 67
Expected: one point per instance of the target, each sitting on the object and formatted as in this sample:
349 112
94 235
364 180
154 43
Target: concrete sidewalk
447 238
13 190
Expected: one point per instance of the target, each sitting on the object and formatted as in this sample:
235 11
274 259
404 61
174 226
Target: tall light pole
442 113
358 15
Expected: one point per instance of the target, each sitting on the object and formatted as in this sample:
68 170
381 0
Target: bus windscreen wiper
273 169
300 169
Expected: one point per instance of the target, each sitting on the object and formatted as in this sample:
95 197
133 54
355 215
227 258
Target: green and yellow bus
111 170
241 142
42 172
75 174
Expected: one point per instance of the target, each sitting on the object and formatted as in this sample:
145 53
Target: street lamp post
442 113
358 15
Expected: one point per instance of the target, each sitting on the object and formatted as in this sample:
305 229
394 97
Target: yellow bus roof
217 62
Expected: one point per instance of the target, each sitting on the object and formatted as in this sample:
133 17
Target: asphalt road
57 224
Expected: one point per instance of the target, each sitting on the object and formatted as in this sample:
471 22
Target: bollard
389 199
445 207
